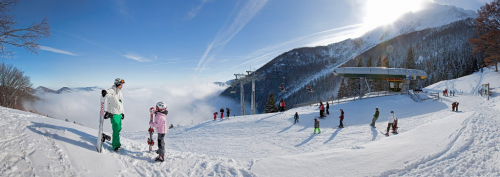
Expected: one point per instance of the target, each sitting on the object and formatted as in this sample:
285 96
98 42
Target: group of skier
222 114
445 93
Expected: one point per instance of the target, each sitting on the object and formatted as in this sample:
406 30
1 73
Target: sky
157 43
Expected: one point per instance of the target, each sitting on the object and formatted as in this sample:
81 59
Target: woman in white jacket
392 119
115 110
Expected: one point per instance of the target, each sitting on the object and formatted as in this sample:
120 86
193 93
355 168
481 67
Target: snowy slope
432 141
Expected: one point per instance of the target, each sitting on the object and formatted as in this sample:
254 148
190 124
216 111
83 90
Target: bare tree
488 28
19 37
14 87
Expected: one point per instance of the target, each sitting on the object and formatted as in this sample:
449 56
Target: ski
384 134
100 137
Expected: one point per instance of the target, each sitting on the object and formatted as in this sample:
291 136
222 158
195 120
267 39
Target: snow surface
432 141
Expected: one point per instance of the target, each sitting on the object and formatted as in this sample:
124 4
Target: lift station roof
380 72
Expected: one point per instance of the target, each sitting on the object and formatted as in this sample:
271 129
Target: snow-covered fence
435 95
348 99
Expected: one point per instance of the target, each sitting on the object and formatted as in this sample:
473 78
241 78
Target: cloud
56 50
186 104
227 32
193 12
136 57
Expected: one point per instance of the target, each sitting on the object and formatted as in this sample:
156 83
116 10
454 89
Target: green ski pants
317 129
116 122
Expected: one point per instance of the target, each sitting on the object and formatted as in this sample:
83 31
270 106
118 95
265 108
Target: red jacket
282 104
322 107
215 115
341 115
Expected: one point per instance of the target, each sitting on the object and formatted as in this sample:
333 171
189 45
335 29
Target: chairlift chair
282 85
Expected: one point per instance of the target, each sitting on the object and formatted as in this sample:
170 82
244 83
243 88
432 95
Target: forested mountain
438 37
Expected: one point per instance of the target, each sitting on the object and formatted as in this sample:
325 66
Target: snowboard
101 137
151 142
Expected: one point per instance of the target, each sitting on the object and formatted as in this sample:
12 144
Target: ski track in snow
432 141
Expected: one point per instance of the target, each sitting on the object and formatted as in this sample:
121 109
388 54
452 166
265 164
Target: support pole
242 91
253 97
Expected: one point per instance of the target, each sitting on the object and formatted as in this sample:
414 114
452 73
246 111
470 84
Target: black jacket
316 124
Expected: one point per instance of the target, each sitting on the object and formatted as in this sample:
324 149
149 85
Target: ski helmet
161 106
119 81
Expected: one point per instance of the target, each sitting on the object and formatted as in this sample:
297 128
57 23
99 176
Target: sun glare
381 12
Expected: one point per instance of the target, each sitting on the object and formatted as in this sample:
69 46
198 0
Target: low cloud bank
186 104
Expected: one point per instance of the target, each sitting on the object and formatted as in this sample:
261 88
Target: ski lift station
398 78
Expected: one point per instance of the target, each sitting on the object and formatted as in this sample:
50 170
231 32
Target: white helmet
119 81
161 106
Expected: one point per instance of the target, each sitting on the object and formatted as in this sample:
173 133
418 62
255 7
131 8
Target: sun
381 12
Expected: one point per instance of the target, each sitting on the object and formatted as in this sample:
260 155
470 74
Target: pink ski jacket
160 122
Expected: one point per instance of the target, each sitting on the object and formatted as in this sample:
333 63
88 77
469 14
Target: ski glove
107 115
123 116
104 93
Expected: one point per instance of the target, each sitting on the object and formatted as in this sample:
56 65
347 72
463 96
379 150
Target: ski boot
117 149
387 134
159 158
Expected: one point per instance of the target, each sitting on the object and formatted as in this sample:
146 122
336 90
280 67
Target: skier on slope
375 117
228 112
454 106
115 110
282 105
316 126
221 113
215 115
321 110
341 118
392 121
327 108
296 118
160 123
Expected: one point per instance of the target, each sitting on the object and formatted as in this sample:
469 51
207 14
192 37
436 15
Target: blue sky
152 43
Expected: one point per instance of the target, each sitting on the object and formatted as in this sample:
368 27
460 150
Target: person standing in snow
160 123
296 117
115 110
316 126
282 105
341 118
392 119
221 113
375 117
228 112
321 110
215 115
327 107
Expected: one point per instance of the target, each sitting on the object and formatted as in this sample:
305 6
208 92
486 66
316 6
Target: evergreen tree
360 63
369 62
271 104
342 90
410 61
379 62
386 62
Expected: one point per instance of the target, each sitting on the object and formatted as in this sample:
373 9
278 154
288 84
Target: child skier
221 113
228 112
296 117
316 126
341 118
392 120
321 110
215 115
160 123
